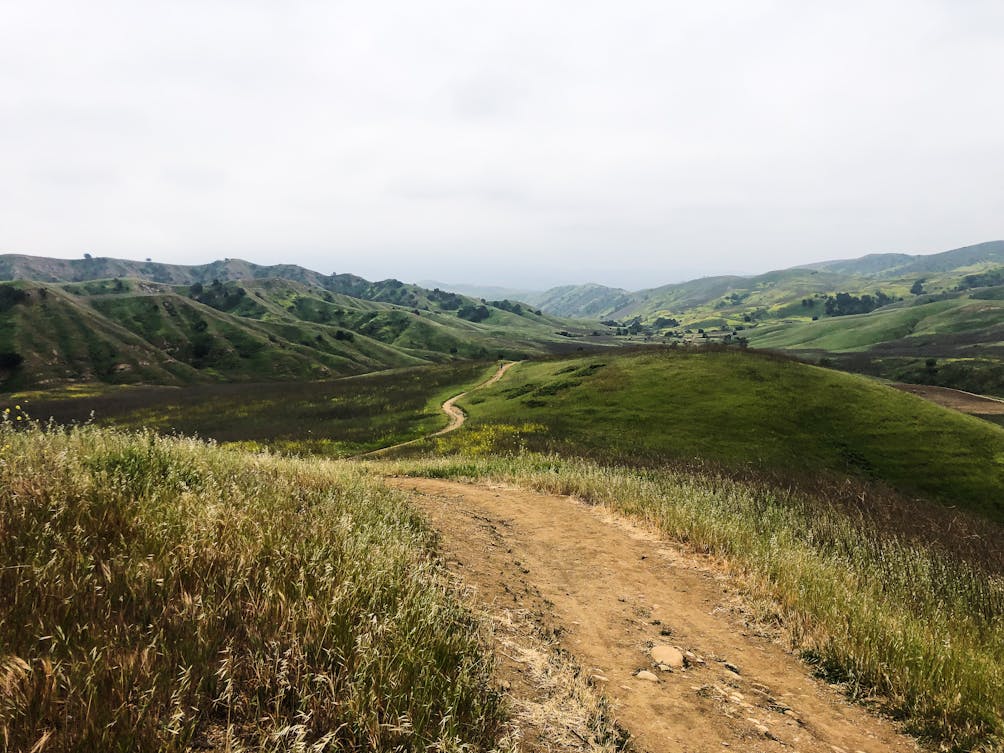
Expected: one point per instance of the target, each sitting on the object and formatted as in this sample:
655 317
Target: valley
822 548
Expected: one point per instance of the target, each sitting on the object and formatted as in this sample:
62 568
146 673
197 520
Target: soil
966 402
456 415
601 592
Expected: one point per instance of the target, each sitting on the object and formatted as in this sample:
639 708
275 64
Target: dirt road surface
608 591
966 402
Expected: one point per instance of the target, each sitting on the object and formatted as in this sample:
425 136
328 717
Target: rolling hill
744 410
66 320
719 301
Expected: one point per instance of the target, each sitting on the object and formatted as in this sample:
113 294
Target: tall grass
158 594
921 625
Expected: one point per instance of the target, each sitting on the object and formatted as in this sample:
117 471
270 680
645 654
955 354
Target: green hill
799 293
746 411
126 330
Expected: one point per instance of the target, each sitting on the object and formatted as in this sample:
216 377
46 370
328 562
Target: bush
11 296
10 360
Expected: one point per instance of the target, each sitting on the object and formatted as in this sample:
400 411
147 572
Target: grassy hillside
977 255
127 331
744 410
939 328
168 595
730 300
953 342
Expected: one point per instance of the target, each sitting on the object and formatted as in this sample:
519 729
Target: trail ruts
610 590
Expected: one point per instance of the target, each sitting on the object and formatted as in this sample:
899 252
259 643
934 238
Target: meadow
164 594
333 418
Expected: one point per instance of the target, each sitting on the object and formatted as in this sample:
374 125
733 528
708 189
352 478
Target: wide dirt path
610 591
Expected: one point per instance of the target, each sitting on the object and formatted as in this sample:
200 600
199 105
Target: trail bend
451 409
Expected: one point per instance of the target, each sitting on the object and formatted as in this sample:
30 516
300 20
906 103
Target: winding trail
450 408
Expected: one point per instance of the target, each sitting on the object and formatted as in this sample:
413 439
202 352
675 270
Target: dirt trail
966 402
610 590
455 414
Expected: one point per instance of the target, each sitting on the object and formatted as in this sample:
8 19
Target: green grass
916 618
163 593
334 418
910 324
745 411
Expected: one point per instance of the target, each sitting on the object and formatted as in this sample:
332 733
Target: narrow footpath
450 408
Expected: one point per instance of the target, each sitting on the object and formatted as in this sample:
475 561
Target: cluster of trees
217 295
11 296
473 313
446 300
983 279
844 304
512 307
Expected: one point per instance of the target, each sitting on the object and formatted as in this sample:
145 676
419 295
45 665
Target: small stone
669 655
665 668
597 679
732 667
646 675
760 727
693 658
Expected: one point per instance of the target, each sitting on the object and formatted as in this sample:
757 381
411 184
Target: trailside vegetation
902 603
163 594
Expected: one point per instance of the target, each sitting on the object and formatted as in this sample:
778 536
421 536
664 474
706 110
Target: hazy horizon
511 144
490 284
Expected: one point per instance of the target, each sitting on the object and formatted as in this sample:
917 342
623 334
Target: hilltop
742 411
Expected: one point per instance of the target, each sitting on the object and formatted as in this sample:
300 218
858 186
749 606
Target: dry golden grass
160 594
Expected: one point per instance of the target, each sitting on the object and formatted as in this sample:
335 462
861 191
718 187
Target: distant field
740 410
336 417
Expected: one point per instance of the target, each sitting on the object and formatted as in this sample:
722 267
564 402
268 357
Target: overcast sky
510 143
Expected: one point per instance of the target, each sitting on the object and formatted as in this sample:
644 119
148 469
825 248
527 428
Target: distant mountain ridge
120 321
593 301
